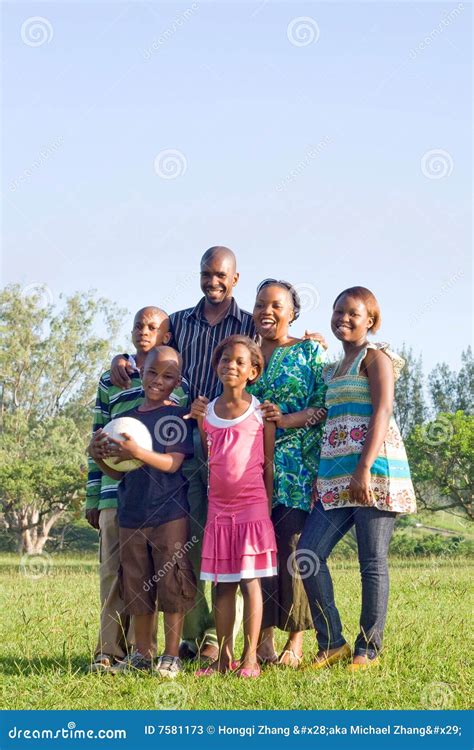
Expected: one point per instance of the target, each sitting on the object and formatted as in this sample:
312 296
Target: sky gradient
326 143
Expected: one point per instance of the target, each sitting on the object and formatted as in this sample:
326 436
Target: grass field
48 629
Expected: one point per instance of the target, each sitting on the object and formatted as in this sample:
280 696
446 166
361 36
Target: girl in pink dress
239 544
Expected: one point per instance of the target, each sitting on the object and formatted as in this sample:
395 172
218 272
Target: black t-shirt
148 496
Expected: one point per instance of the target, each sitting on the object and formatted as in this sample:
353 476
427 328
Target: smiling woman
292 391
363 479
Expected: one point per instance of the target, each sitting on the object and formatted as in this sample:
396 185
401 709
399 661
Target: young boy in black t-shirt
153 514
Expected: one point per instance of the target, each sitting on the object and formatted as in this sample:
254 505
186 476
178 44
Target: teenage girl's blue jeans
321 533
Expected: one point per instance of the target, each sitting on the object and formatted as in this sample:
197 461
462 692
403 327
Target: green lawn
48 629
446 522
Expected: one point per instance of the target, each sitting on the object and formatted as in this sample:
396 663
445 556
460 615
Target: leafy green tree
441 460
50 361
42 476
409 405
453 391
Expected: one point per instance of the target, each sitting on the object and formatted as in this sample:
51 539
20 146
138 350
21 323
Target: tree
453 391
42 476
409 404
441 454
50 362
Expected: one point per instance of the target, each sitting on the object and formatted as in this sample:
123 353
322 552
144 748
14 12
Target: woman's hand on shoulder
310 336
120 371
272 413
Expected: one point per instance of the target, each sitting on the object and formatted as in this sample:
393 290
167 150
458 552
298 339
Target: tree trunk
32 532
42 531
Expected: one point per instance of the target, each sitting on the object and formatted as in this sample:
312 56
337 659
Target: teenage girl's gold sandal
360 666
323 659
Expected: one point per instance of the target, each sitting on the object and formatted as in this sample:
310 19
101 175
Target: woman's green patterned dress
293 380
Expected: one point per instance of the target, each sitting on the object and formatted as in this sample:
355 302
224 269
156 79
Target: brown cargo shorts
155 573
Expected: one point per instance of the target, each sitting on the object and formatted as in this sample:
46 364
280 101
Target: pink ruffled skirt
238 544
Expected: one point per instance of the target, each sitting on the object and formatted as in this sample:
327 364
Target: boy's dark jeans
322 531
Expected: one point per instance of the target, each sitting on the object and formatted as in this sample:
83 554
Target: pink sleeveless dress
239 540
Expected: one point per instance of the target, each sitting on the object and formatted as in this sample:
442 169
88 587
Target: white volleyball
137 431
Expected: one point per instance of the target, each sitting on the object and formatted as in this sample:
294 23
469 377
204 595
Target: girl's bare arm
203 435
378 367
305 418
167 462
379 370
269 451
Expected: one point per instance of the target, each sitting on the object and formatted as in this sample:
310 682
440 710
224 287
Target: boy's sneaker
135 662
185 653
167 666
101 663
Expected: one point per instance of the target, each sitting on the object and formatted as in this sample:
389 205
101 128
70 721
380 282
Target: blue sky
326 143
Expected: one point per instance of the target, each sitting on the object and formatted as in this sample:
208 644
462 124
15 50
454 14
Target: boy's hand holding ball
123 450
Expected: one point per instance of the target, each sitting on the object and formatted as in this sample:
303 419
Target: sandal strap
292 654
168 661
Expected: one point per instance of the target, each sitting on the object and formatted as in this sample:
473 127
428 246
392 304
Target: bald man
196 332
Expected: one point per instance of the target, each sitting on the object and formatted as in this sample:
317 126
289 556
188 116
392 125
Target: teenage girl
363 480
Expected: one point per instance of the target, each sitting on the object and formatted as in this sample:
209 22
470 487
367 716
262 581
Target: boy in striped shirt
150 329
